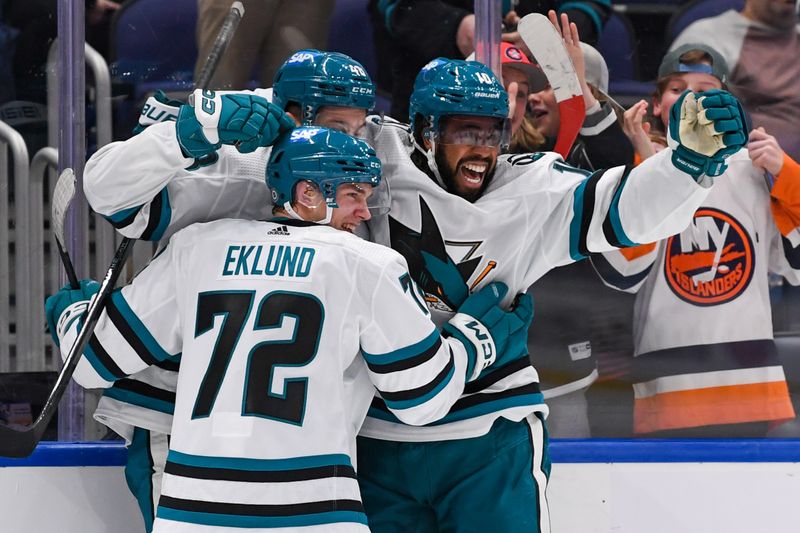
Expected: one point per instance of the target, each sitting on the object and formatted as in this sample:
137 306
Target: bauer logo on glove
708 127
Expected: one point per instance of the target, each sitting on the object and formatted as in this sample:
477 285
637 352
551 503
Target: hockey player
706 364
463 215
286 328
170 175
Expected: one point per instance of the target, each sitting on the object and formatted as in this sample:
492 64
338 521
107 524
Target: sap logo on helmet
300 57
357 71
483 77
433 64
304 134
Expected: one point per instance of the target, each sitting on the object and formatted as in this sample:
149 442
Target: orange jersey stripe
637 251
786 194
732 404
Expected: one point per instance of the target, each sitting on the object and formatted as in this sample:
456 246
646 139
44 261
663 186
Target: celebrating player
463 215
171 175
285 329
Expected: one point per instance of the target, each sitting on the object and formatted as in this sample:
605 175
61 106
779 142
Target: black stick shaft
224 36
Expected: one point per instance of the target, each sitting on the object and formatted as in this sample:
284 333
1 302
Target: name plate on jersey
262 260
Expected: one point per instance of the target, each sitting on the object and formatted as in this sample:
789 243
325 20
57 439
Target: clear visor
381 200
474 131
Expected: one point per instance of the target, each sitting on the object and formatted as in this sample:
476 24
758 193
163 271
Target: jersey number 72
263 357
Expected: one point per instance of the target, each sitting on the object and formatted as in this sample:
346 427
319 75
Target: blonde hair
527 138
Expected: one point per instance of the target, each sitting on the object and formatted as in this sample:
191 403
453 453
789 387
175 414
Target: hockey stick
547 47
63 193
224 36
22 442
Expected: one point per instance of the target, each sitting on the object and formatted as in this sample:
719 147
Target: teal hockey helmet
328 158
313 79
456 87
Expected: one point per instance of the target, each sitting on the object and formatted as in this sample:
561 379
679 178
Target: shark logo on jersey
712 261
443 280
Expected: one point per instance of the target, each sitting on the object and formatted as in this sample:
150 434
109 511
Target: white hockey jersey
271 319
702 318
148 190
536 214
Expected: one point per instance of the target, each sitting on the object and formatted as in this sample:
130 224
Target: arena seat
696 10
617 44
152 44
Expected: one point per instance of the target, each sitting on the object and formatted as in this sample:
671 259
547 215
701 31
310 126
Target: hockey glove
68 305
157 108
708 127
492 336
245 120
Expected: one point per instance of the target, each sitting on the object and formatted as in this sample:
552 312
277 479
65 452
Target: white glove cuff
478 334
70 316
207 110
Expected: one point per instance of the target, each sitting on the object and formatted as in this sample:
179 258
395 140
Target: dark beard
449 178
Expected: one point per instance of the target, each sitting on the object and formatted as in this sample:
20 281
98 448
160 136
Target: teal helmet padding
456 87
313 79
325 157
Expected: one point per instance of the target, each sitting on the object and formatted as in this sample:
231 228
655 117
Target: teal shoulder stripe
99 367
241 521
261 465
613 215
402 353
140 400
119 216
414 402
164 217
580 6
575 224
138 327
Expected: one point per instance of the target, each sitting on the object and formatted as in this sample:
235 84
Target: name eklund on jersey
276 260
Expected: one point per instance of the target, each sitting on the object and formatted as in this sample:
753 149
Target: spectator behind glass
409 33
706 364
579 322
601 142
761 46
269 32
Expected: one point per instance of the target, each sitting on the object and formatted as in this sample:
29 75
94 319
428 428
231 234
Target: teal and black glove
494 337
157 108
68 305
216 118
708 127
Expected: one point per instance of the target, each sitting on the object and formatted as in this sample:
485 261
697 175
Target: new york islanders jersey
702 317
536 214
148 190
286 329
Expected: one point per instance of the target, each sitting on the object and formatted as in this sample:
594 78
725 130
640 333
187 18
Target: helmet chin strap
430 156
293 214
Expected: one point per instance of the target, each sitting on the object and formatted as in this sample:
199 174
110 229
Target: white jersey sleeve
138 328
418 373
148 190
